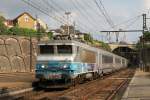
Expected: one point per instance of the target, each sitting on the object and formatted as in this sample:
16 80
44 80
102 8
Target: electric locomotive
68 62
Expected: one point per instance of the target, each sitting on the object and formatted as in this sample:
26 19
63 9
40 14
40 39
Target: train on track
68 62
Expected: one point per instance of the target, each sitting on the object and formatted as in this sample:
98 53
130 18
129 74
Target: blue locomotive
67 62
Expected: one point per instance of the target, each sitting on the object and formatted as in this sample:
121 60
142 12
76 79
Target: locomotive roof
78 43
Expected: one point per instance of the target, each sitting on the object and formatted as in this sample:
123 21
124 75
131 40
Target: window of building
26 18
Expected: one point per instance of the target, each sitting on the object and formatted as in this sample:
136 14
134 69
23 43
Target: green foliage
22 31
141 45
2 19
102 44
50 35
3 28
146 34
138 45
88 38
145 37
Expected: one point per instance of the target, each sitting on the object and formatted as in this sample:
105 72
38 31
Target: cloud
147 4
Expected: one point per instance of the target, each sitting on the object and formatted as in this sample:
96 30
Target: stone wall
15 54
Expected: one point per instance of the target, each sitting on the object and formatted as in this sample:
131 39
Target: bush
22 31
3 28
50 35
88 38
102 44
146 34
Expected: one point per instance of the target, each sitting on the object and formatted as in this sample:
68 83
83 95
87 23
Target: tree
88 38
146 35
3 28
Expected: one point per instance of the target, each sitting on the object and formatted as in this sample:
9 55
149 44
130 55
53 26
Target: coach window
107 59
64 49
118 61
46 49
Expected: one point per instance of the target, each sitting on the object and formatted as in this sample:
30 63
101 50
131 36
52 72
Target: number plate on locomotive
55 76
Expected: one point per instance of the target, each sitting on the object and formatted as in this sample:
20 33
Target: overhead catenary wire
83 15
89 23
83 12
56 18
109 18
127 21
79 23
40 10
104 12
89 12
58 10
95 11
132 23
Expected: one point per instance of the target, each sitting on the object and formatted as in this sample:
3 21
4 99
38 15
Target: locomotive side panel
87 56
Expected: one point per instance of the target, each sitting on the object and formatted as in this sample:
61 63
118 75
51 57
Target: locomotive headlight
65 66
43 66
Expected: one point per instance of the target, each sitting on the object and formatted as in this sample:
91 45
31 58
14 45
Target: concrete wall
15 54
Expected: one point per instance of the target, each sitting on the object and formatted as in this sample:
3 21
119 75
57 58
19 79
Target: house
9 23
25 20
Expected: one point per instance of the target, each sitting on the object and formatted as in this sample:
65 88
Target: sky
85 14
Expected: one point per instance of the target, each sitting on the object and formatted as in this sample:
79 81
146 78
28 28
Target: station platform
10 82
139 87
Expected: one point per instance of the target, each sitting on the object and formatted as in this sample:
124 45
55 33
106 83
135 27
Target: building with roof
25 20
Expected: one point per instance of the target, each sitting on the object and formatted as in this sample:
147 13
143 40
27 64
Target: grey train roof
78 43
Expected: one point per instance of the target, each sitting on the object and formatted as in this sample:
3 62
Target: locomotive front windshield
55 49
64 49
46 49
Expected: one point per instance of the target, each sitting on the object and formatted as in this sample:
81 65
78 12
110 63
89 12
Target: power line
93 19
104 12
83 13
37 8
51 6
132 23
112 23
126 21
65 11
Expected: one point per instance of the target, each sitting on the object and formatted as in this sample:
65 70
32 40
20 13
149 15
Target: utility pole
141 54
144 23
67 14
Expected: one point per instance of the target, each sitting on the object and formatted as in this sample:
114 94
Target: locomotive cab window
46 49
64 49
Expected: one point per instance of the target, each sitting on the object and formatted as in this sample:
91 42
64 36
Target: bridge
125 50
114 46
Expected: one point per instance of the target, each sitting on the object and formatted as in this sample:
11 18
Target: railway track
105 88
